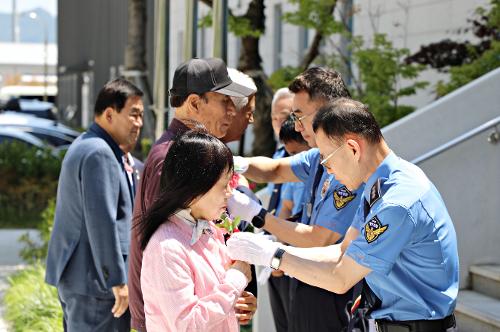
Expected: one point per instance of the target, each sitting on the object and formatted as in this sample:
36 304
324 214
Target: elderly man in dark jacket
88 249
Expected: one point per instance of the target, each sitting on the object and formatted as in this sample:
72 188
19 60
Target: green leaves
462 75
34 251
240 26
31 304
228 224
384 77
315 14
28 178
283 77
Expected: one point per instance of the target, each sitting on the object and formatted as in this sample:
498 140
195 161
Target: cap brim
236 90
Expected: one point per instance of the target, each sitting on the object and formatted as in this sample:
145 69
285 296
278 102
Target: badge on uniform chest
373 229
342 196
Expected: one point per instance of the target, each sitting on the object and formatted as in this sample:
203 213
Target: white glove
243 206
240 164
251 248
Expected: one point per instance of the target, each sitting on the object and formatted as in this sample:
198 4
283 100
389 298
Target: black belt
438 325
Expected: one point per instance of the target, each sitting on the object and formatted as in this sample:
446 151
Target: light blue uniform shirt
334 206
293 191
408 240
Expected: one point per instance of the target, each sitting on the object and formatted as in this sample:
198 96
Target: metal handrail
471 133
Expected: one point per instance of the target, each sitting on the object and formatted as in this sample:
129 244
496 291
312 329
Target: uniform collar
198 227
100 132
383 170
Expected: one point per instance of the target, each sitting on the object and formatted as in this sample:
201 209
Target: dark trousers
83 313
279 288
318 310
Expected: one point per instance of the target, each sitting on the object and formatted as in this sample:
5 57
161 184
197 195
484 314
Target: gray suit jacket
91 234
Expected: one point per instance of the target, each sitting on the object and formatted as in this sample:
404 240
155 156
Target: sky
25 5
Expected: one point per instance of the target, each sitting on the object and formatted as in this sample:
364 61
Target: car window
52 140
9 139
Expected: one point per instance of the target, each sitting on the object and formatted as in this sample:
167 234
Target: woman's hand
244 268
245 307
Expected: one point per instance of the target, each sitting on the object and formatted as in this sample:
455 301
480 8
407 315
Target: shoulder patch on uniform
373 229
342 196
375 193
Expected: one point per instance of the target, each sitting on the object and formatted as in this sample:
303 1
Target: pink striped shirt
186 287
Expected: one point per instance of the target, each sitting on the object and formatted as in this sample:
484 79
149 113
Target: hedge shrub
32 305
28 178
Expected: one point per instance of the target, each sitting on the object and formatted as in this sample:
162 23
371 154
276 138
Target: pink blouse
187 287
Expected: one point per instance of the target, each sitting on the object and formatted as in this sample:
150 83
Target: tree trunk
313 50
135 61
250 62
135 52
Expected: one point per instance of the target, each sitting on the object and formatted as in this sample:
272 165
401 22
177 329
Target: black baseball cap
206 75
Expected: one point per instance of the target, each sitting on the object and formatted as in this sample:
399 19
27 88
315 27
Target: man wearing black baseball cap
206 75
200 93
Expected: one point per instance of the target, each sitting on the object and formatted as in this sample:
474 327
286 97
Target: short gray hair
281 93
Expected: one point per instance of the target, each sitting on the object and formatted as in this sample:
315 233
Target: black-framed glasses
298 119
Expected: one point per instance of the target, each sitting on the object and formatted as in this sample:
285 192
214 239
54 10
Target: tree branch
313 51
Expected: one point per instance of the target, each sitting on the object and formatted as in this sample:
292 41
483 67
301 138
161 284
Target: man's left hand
245 307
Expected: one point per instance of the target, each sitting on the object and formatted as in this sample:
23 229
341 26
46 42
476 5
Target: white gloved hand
243 206
251 248
240 164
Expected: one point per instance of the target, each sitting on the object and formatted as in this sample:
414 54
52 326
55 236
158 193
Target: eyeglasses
323 162
298 119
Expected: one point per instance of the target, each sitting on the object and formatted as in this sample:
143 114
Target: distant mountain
30 30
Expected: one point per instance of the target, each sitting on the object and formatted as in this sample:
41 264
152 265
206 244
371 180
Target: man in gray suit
88 249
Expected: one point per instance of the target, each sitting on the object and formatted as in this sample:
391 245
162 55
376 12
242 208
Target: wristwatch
276 261
260 219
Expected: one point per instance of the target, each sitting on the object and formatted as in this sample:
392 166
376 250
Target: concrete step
476 312
486 279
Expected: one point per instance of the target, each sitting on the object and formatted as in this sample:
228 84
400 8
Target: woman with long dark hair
188 281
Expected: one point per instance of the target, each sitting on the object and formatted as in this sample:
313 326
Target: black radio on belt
422 325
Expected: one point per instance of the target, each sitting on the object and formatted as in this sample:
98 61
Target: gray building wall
92 37
467 174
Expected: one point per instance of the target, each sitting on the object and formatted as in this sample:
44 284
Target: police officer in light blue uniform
328 206
402 242
408 241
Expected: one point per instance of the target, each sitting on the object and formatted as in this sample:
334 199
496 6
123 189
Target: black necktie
317 179
275 197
